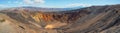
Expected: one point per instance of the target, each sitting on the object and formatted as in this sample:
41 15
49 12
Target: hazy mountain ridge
30 8
95 19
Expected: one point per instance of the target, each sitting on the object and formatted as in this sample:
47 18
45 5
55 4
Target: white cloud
33 1
15 2
77 4
1 5
9 2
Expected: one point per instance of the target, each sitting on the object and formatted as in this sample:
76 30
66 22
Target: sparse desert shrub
2 20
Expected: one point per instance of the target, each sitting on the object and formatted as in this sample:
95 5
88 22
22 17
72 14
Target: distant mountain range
43 9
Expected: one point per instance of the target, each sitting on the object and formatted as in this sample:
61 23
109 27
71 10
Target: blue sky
56 3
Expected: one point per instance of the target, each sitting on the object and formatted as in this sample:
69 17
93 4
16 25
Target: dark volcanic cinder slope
95 19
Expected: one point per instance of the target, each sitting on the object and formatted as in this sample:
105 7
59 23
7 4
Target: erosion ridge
94 19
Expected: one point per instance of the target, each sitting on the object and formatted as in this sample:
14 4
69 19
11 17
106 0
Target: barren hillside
94 19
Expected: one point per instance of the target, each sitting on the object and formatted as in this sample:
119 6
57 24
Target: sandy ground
6 26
